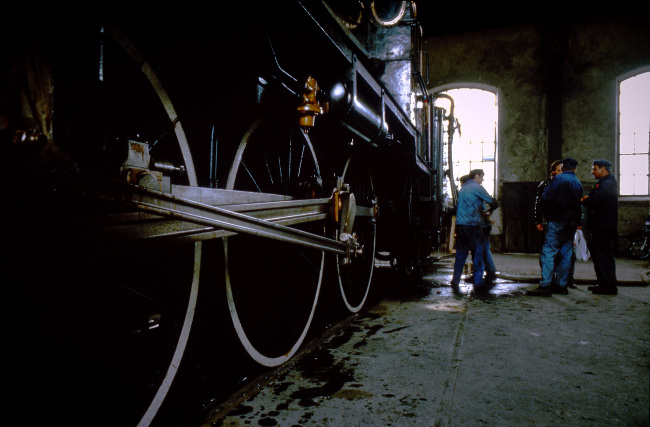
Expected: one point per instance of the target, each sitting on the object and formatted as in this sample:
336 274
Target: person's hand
582 199
540 227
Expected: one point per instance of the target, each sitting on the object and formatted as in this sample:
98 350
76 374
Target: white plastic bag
580 245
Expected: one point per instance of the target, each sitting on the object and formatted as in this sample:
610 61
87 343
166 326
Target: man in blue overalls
469 232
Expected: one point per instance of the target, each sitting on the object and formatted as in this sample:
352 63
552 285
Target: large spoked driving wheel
130 311
355 276
174 346
273 287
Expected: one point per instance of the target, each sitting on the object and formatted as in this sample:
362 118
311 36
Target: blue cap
603 162
569 163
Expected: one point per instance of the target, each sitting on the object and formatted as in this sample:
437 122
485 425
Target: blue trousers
490 268
469 238
556 254
571 269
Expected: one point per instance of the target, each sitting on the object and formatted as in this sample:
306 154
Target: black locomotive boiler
187 169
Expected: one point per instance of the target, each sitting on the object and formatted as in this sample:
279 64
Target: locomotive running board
198 213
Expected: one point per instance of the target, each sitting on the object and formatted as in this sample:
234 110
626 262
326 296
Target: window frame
619 80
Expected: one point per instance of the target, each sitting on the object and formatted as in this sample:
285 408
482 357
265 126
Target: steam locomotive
181 169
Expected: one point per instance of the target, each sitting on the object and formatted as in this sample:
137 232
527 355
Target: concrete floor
428 357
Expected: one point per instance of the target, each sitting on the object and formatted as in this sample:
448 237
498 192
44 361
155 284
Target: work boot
490 277
540 291
602 290
481 288
562 290
455 287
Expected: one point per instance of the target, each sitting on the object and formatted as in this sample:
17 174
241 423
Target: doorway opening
471 134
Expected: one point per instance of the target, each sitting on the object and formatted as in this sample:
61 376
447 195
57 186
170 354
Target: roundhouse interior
555 76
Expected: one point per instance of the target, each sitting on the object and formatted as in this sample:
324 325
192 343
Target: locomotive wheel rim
158 399
181 138
356 307
255 353
260 358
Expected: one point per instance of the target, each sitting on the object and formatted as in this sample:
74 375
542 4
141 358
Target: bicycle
640 249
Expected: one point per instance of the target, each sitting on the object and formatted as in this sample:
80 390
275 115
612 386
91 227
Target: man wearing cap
601 227
469 233
486 227
562 210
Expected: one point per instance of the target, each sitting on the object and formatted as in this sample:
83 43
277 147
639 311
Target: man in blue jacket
488 260
601 227
469 232
561 201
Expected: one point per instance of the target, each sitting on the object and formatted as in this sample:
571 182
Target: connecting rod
268 216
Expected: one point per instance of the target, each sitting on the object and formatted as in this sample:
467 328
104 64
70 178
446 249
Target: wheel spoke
250 175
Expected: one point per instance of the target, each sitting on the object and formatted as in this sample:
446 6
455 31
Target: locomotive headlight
339 97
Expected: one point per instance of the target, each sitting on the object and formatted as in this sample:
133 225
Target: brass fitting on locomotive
310 107
344 215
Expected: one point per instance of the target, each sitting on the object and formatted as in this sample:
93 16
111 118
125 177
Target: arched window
634 133
474 142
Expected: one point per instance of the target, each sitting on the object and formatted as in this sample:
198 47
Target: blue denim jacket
562 199
471 202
